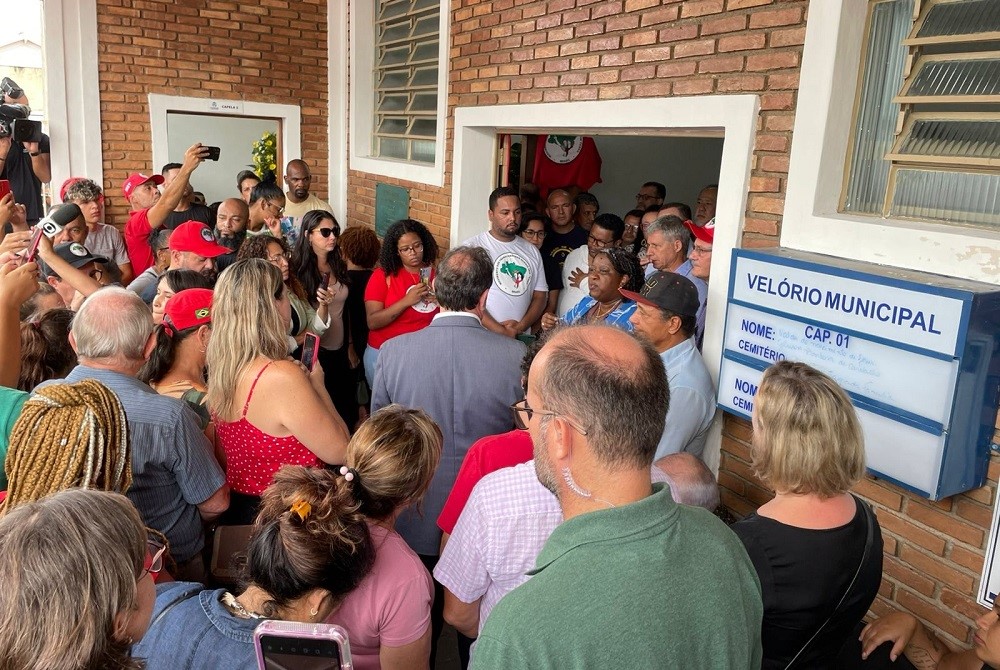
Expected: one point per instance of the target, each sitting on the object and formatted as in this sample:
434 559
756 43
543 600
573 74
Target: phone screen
4 187
33 247
324 282
310 345
294 653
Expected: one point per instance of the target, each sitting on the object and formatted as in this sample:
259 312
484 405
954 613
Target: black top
27 188
803 574
355 317
193 213
558 245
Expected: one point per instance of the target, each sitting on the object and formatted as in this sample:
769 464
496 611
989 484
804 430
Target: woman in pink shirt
390 463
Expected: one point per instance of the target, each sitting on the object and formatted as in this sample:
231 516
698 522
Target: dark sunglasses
327 232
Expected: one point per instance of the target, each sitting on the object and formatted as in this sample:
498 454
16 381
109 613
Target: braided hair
68 436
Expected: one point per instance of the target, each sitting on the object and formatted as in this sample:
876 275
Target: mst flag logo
510 273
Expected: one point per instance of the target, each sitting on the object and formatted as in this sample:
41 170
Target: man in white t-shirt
518 295
298 199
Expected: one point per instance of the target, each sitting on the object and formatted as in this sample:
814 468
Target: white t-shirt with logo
517 274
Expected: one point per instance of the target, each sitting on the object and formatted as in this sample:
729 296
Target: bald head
611 384
232 217
691 482
298 179
113 325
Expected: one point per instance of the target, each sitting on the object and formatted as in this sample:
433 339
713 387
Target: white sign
228 106
878 372
989 585
892 449
907 316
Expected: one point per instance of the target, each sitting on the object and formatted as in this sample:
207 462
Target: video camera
14 121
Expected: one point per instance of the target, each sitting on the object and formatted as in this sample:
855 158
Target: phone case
303 631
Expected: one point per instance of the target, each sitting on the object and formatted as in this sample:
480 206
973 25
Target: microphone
58 218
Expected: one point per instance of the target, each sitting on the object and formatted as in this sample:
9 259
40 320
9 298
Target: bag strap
869 540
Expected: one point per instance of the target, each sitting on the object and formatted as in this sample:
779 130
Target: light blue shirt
618 317
692 401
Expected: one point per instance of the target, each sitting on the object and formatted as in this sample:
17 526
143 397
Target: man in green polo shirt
630 579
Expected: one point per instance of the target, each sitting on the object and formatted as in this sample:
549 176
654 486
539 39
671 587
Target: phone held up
4 188
282 645
213 153
324 281
310 349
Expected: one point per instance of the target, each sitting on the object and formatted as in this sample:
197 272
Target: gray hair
672 227
690 480
465 273
48 620
621 404
83 190
112 324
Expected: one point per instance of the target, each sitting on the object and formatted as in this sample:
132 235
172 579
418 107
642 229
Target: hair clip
350 474
302 508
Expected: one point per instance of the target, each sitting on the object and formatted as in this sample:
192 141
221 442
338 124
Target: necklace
600 315
230 601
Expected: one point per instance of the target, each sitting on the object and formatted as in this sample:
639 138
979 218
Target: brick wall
524 51
267 51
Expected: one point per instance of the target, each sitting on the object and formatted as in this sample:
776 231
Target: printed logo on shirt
510 274
563 149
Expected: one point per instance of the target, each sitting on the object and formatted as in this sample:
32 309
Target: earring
313 612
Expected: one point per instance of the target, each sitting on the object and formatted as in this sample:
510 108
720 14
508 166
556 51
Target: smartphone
324 282
213 153
4 188
425 275
282 645
310 348
36 237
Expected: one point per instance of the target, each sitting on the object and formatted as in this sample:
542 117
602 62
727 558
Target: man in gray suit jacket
464 376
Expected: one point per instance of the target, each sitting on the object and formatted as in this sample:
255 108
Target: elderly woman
807 445
612 270
78 582
310 548
391 461
398 299
268 412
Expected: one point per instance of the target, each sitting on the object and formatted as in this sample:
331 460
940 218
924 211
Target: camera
10 89
14 122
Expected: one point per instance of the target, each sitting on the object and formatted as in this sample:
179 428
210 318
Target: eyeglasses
600 244
279 259
698 251
327 232
634 226
416 247
96 274
522 421
279 210
537 234
153 563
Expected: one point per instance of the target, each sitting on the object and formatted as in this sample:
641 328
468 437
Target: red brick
970 560
619 59
936 568
777 17
762 226
638 72
789 37
773 61
908 531
641 38
741 42
636 5
728 24
739 83
733 5
893 568
701 8
945 523
675 69
721 64
652 54
652 89
678 32
662 15
614 92
980 515
694 48
603 77
932 614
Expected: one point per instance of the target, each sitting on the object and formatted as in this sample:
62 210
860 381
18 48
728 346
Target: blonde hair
68 436
806 438
246 326
395 454
69 564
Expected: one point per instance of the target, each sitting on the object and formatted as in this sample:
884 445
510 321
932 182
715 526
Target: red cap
137 179
65 186
704 233
189 308
196 237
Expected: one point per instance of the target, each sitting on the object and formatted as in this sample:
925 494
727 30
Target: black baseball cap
76 255
668 290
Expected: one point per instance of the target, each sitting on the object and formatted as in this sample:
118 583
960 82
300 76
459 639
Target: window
397 88
406 79
926 137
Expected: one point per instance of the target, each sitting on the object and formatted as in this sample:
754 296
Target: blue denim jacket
197 632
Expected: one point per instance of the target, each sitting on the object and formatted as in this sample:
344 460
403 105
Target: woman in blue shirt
611 269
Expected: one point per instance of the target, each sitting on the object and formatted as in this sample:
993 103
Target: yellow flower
273 166
270 143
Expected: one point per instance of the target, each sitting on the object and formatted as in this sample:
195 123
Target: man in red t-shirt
150 208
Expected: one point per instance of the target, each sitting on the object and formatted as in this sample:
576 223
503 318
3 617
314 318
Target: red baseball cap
137 179
196 237
704 233
189 308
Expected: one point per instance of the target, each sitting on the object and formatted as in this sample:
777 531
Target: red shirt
137 233
486 455
390 292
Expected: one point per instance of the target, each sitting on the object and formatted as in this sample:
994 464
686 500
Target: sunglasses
327 232
153 563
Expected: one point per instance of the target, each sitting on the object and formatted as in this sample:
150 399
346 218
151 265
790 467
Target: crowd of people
507 437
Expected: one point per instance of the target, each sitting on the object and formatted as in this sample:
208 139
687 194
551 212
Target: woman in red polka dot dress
268 412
